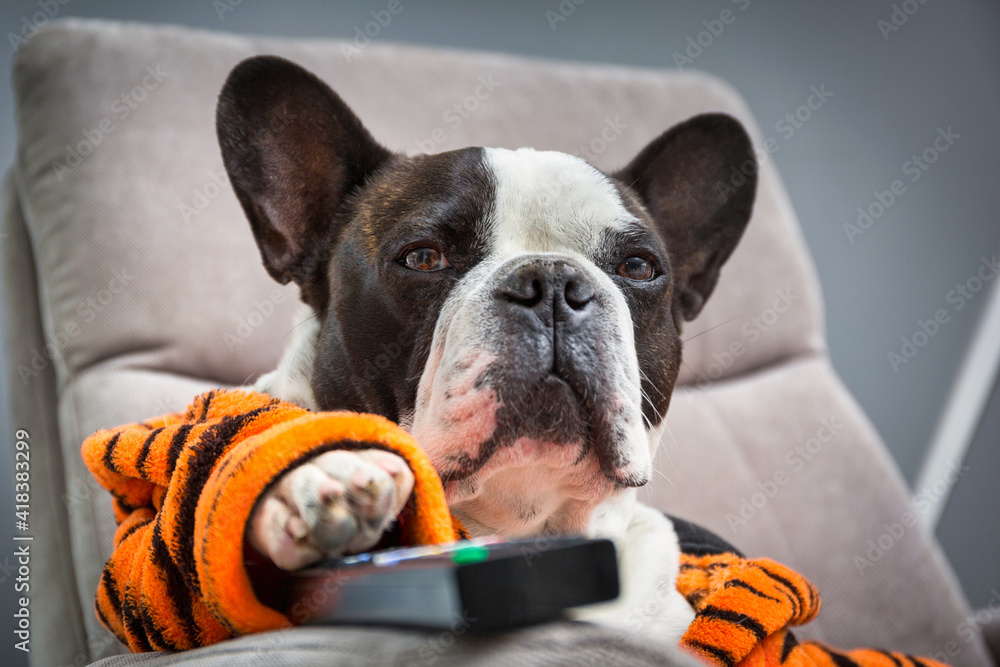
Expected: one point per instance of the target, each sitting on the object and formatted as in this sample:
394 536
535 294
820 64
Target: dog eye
636 268
425 259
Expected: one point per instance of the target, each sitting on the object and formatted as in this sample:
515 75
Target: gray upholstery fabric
553 644
150 287
63 634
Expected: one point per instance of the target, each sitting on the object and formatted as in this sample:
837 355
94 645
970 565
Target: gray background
889 98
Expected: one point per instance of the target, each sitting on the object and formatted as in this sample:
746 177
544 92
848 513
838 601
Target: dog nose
551 289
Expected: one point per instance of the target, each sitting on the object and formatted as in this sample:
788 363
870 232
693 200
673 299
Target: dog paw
336 503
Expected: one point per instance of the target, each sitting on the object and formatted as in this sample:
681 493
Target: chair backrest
150 289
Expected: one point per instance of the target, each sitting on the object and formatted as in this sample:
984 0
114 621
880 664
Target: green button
470 554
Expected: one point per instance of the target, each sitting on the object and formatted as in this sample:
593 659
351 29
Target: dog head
518 311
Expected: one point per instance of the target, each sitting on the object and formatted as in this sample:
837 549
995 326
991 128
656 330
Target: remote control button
470 554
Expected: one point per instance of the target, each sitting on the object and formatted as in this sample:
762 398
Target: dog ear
293 151
698 181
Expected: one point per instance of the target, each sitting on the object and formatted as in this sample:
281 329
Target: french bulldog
517 311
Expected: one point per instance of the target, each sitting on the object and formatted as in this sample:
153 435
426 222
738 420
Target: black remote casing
475 586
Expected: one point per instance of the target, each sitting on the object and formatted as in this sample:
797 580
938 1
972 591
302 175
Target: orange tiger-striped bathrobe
184 486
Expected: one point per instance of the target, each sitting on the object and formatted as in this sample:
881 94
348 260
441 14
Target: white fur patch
292 380
648 564
548 201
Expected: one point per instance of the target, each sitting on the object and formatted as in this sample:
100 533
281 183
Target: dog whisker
733 319
665 477
666 450
288 333
642 375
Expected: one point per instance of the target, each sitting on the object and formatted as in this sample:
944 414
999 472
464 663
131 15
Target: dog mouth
554 410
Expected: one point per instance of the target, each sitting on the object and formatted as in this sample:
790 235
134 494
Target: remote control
481 584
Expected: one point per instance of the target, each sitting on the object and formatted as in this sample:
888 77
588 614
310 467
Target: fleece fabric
184 487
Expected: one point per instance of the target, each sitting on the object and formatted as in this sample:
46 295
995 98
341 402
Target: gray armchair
132 282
